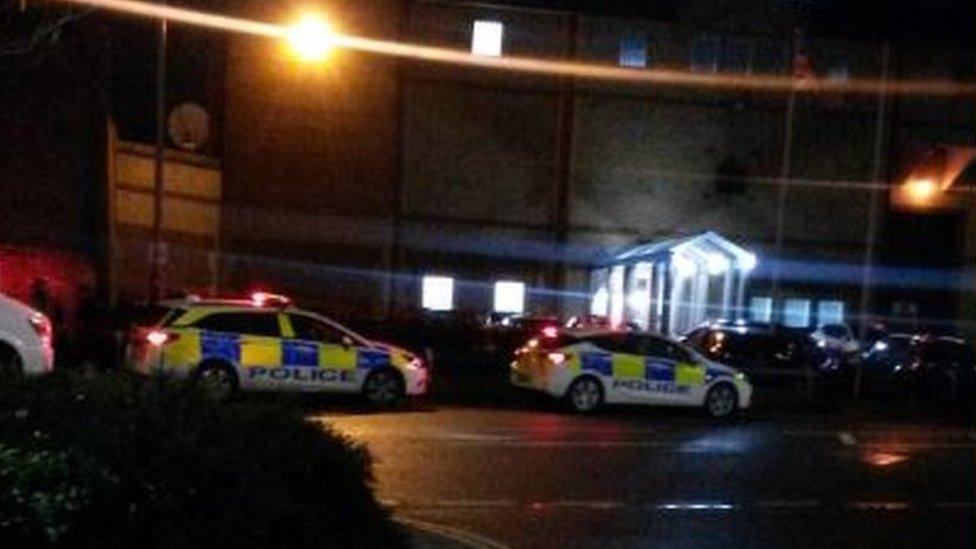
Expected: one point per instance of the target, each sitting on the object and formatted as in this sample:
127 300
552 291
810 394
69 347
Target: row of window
797 311
709 52
437 294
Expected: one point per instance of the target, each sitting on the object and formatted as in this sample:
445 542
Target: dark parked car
932 370
771 355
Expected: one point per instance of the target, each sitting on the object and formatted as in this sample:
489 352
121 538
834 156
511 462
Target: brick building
393 170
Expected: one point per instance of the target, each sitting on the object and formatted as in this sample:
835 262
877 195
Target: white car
836 337
26 339
589 369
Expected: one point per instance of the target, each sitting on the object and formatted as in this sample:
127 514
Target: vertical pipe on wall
565 135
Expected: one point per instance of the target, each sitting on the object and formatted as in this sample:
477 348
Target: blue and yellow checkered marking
195 346
220 345
299 353
624 366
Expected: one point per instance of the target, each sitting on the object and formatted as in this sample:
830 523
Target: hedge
118 461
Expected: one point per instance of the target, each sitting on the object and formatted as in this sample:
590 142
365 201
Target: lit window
509 297
796 313
830 312
486 38
761 309
633 52
438 293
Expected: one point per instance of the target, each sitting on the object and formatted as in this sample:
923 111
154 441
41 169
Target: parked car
836 337
932 370
771 355
264 343
588 369
26 339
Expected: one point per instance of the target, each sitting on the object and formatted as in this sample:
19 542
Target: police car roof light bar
265 299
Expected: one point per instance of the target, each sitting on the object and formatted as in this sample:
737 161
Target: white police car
589 369
263 343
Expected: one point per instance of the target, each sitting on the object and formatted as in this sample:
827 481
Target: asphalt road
657 478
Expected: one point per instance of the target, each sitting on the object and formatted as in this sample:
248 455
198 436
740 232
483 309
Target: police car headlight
740 376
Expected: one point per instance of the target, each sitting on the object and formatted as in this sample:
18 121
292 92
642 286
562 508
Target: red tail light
42 325
158 338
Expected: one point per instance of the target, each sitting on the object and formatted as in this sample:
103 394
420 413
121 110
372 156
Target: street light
920 192
311 38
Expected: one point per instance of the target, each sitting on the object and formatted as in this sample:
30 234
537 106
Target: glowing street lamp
921 192
311 38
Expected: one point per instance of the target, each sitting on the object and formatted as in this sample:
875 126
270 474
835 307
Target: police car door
248 339
326 355
674 375
627 381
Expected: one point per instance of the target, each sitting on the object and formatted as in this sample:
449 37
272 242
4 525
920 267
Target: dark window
619 343
313 330
697 337
260 324
836 331
705 50
662 348
736 55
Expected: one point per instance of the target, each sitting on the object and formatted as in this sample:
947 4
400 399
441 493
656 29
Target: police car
263 343
589 369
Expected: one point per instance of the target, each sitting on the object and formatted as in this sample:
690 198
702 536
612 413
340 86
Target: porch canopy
673 285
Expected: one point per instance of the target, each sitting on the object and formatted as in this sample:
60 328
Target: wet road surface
659 478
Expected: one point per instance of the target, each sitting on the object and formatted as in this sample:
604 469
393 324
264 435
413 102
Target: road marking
879 505
695 506
847 438
463 537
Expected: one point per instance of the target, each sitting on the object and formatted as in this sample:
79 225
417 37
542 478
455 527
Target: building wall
191 215
311 161
342 173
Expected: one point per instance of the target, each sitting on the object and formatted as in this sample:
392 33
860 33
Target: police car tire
204 367
715 389
575 386
10 364
399 392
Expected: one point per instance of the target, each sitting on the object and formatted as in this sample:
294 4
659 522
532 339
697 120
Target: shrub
119 461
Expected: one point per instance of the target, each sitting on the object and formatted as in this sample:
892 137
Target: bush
119 461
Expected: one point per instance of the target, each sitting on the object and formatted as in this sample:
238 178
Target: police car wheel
585 395
721 401
384 388
10 365
218 379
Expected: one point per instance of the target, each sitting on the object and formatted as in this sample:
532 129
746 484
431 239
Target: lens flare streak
551 67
